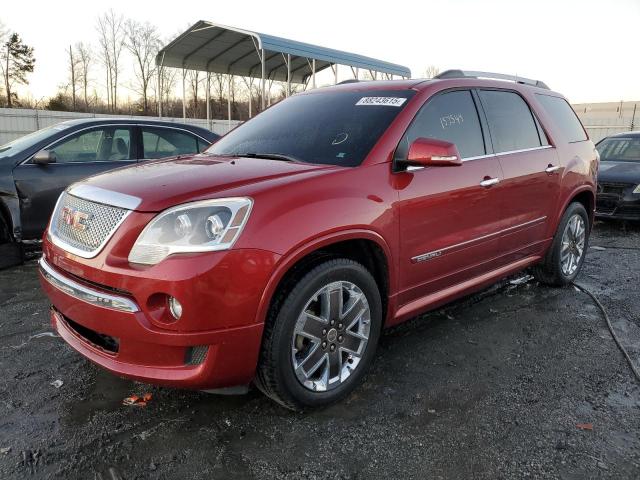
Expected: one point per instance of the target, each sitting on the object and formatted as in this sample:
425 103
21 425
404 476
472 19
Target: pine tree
16 61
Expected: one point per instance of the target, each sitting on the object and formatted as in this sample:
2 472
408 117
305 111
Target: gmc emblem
75 218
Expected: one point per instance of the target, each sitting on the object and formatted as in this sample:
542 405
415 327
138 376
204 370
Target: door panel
530 198
78 156
452 221
530 191
449 223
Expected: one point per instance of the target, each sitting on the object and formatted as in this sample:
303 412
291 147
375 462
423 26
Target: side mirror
44 157
429 152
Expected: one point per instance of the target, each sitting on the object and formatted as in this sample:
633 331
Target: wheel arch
363 246
586 197
6 219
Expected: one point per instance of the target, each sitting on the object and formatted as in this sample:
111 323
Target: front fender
289 259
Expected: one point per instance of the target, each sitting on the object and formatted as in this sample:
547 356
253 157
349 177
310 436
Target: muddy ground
492 387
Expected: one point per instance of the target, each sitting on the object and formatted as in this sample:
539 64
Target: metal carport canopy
217 48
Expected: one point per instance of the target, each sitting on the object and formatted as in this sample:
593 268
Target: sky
582 48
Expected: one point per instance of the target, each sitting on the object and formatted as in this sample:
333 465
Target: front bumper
617 200
216 342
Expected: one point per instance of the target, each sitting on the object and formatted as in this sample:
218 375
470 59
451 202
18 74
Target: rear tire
565 257
320 336
10 252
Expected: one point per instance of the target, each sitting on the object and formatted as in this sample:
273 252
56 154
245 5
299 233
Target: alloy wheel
330 336
573 242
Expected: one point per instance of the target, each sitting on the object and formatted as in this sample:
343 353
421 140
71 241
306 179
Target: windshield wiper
270 156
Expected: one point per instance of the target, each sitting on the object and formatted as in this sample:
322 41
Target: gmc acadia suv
279 254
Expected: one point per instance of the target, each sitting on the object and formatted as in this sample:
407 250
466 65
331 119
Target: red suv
279 254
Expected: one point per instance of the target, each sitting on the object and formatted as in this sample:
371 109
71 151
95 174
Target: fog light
175 307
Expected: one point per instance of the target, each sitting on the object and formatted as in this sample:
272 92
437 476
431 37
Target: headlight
637 189
202 226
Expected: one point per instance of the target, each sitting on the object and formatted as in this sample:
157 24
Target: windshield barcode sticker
388 101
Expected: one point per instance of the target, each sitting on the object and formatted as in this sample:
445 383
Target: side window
202 144
97 145
510 121
450 116
564 116
167 142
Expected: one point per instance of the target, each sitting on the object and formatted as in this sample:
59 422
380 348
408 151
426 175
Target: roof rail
496 76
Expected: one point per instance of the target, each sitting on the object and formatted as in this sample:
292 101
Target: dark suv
279 254
36 168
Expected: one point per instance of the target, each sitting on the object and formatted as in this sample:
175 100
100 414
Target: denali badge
75 218
426 256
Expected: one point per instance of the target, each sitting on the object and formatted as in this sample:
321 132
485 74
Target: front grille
613 188
83 225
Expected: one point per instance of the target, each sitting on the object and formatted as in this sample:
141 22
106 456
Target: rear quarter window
564 117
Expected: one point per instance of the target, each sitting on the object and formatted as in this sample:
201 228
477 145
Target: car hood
624 172
166 183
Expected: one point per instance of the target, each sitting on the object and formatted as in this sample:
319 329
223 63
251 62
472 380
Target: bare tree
166 84
219 84
194 79
73 73
3 38
431 71
143 41
110 27
85 60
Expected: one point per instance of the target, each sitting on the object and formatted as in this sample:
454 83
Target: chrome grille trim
86 294
106 197
103 222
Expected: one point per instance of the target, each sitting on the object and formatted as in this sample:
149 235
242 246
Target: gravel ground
494 386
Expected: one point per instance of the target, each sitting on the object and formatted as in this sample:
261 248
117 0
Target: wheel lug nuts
332 322
324 331
333 347
340 338
324 344
339 325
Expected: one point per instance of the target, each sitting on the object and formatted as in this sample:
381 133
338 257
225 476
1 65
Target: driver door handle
487 182
552 168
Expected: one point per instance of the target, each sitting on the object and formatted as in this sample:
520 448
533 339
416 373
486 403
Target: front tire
565 257
10 251
321 336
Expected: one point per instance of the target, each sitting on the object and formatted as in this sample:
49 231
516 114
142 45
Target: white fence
598 128
16 122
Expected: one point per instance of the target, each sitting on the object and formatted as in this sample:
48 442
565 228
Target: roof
632 134
217 48
97 121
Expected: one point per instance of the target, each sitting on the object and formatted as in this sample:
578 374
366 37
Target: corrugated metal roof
220 49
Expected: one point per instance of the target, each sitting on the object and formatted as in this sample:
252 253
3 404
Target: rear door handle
552 168
487 182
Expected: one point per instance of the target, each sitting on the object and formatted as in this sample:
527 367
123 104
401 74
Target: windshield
22 143
620 149
335 128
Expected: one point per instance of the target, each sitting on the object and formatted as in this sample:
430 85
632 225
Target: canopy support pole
313 72
208 99
160 70
229 103
334 67
264 84
184 104
288 74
